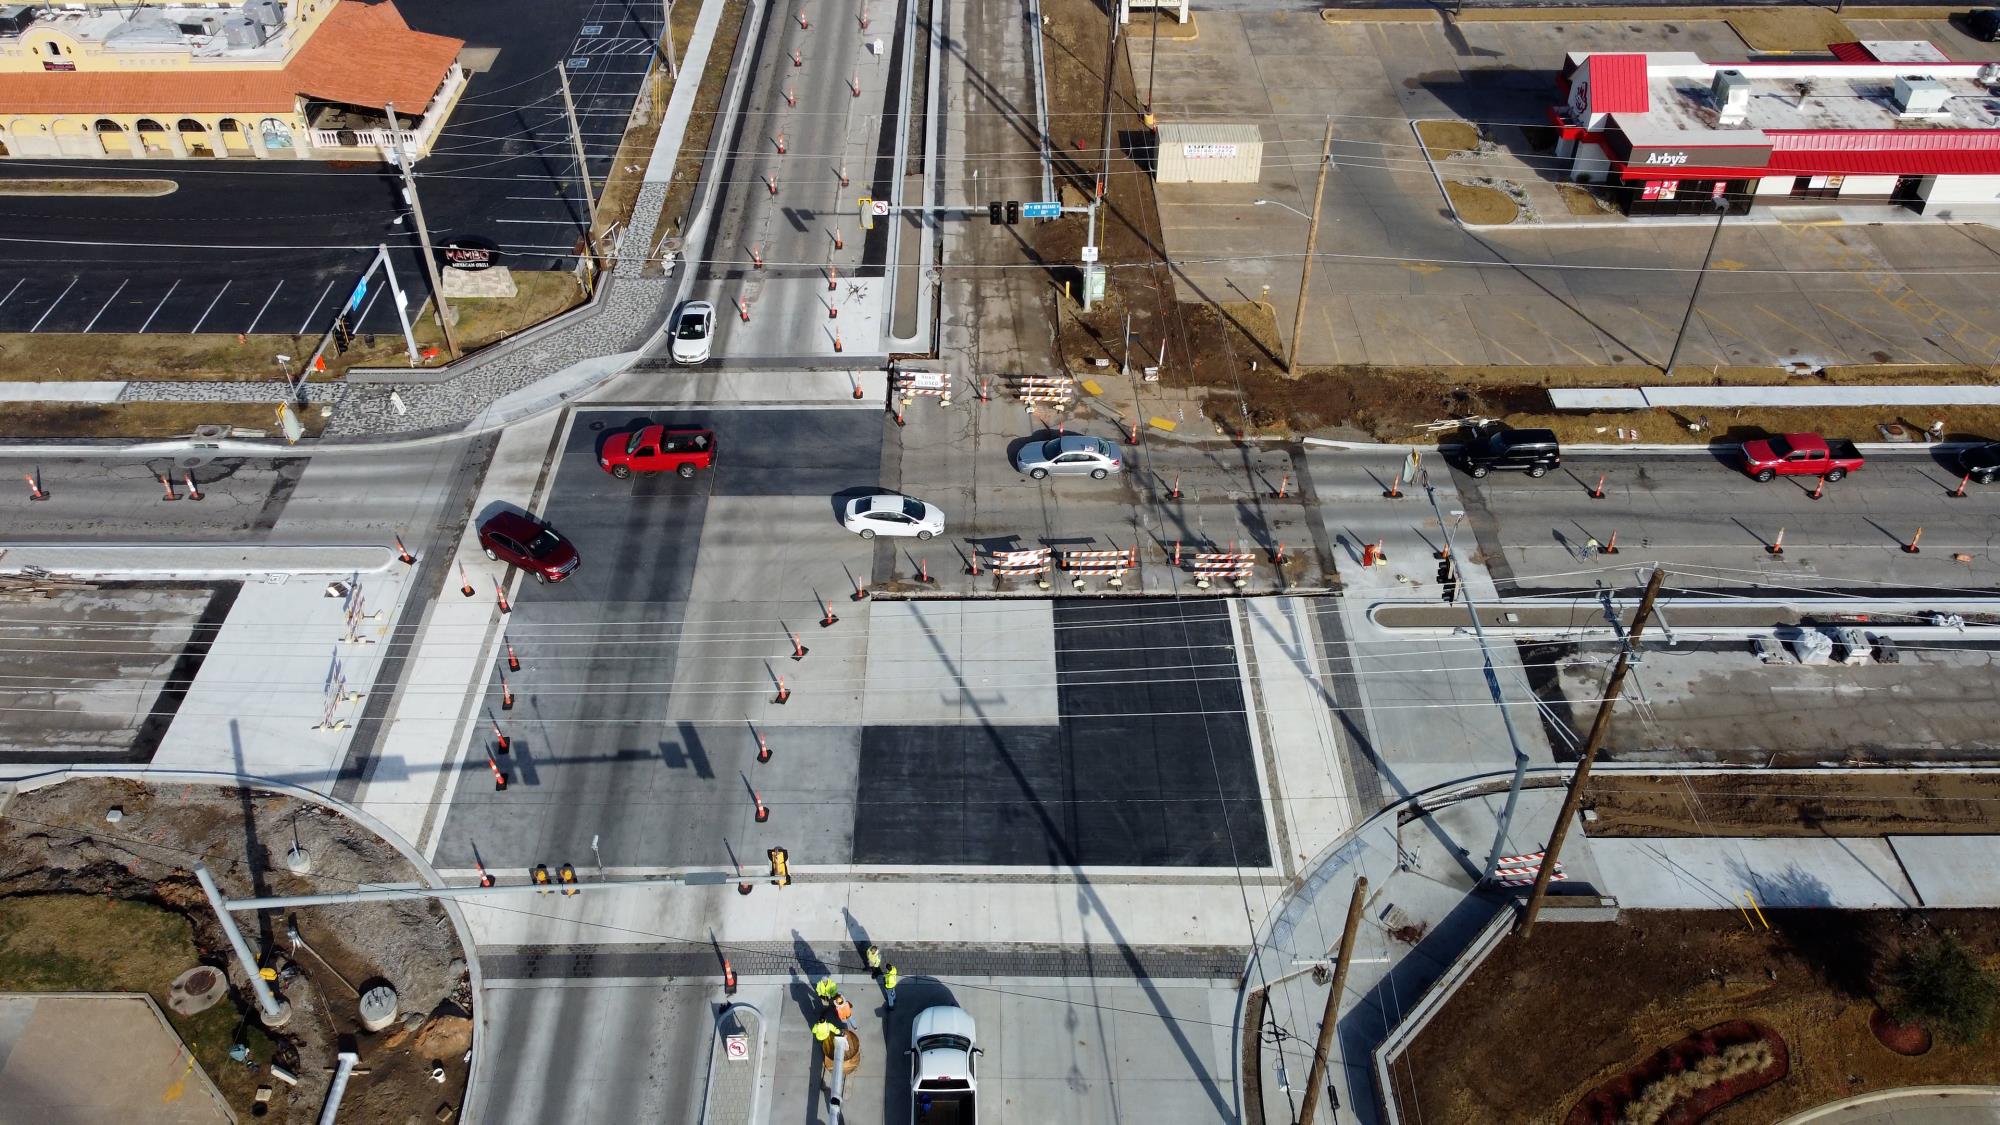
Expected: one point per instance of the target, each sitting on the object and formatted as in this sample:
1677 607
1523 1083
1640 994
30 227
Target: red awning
1618 84
1851 52
1877 152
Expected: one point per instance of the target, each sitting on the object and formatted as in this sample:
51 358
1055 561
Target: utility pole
1316 1075
1090 265
582 169
404 161
1598 727
1153 63
1312 247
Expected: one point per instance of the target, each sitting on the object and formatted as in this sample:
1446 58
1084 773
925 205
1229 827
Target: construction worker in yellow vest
826 989
889 977
824 1031
874 958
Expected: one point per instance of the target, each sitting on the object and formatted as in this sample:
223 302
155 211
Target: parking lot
276 247
1398 281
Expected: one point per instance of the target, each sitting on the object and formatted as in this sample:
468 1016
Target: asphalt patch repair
1150 764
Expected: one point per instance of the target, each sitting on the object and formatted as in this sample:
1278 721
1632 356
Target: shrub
1938 984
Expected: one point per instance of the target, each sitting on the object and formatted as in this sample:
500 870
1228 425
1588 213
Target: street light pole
582 170
1312 247
1721 212
1316 1074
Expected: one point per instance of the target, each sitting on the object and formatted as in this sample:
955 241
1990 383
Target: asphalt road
1698 515
276 246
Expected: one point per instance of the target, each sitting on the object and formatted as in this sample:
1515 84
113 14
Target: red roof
361 55
1851 52
1618 84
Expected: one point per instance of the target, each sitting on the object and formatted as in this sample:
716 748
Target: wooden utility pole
1316 1076
1598 727
404 160
1312 246
582 168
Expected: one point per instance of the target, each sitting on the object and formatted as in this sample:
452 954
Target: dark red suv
526 542
658 449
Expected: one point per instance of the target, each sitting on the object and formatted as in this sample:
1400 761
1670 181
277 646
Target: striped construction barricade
1030 562
910 384
1112 566
1520 870
1058 390
1233 567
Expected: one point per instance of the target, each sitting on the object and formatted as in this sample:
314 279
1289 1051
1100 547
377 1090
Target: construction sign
288 421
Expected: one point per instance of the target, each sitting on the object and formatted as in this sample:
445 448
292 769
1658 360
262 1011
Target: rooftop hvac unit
266 12
243 31
15 18
1989 75
1919 95
1731 91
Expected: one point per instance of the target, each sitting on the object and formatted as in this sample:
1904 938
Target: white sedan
889 514
693 328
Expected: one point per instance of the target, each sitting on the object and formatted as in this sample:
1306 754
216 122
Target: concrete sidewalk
183 561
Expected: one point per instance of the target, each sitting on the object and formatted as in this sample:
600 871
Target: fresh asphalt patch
1149 765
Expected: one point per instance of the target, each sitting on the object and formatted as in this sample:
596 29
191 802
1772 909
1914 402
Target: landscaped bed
1661 1013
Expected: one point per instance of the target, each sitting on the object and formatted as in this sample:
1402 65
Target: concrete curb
1911 1093
468 1111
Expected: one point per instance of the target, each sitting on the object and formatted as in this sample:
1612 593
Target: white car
694 327
890 514
1068 455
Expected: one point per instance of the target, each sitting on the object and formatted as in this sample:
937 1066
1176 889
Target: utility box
1209 154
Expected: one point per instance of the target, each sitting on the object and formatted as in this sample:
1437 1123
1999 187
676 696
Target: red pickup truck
658 449
1800 455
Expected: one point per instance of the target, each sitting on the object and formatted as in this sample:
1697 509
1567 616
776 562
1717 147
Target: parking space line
541 222
161 305
313 308
54 303
10 292
1800 329
211 305
267 304
107 303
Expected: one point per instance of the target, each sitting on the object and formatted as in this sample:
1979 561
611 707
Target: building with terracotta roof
1887 122
266 79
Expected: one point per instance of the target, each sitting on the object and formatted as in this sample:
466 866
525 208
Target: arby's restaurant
1877 122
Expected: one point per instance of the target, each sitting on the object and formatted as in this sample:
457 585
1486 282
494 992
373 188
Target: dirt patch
145 188
540 295
1481 206
1788 29
1903 1038
1443 139
1819 803
702 119
1545 1022
1580 200
85 903
143 419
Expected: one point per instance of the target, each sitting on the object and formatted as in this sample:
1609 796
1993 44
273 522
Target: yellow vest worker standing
889 976
825 989
824 1031
874 958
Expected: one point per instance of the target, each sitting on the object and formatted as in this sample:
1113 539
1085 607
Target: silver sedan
1068 455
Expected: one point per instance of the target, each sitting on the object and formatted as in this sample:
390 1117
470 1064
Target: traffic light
541 878
567 875
1447 577
993 213
781 868
1013 211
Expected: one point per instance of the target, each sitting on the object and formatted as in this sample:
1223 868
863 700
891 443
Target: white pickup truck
943 1088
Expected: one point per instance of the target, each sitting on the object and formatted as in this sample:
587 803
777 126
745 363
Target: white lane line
542 222
53 304
313 308
211 305
267 304
10 292
106 304
161 305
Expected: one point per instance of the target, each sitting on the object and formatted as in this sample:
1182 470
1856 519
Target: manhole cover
197 990
597 425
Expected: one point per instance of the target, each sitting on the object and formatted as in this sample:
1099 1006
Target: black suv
1535 451
1981 462
1983 23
